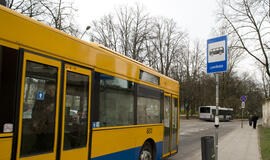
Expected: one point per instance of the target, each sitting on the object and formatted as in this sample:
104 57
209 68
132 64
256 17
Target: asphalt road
191 132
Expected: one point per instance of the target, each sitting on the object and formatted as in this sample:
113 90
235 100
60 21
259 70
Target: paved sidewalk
240 144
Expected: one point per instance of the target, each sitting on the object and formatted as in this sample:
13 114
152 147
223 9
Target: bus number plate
149 130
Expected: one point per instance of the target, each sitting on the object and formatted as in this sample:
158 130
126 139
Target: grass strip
265 142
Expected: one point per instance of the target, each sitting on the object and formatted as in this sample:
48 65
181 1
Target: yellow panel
28 33
115 140
75 154
6 135
110 141
5 148
8 44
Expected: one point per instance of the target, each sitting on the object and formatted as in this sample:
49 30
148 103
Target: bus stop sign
243 98
217 55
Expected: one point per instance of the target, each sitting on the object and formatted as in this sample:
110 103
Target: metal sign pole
242 108
217 62
217 115
242 119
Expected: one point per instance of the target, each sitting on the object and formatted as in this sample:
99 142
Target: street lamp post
86 29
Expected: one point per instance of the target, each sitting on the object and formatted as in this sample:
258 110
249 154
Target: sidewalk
241 144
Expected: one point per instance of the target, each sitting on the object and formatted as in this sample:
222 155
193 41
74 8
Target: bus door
170 143
167 125
76 111
38 118
175 125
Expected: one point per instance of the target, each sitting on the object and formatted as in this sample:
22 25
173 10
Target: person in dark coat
254 120
250 120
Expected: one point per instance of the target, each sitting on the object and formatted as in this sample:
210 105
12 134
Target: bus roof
20 31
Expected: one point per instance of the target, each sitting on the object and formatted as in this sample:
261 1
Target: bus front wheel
146 152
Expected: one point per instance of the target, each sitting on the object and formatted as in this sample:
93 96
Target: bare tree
249 20
134 29
126 32
30 8
60 15
234 53
125 19
56 13
157 42
167 44
105 31
193 64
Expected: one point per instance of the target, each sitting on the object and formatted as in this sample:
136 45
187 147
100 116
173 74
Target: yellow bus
62 98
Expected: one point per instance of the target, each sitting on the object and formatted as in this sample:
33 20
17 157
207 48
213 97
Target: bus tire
146 152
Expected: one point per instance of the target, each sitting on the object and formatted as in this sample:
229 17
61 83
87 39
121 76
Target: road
191 132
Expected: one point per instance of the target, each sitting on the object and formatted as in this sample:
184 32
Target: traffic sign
217 54
243 98
243 105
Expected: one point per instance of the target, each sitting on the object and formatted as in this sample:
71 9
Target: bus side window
115 98
214 111
8 84
148 105
148 111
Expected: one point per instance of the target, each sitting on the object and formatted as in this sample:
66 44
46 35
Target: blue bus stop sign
217 55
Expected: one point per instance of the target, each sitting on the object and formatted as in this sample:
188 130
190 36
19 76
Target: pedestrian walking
250 120
254 120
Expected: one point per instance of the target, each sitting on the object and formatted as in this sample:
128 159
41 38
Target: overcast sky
197 17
